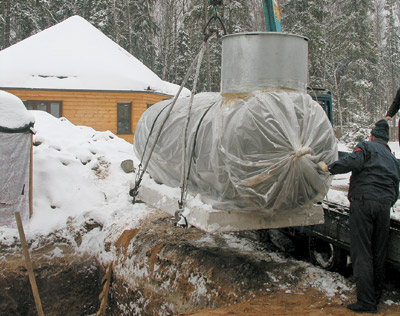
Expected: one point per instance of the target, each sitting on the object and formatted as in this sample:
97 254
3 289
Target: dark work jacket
394 108
375 172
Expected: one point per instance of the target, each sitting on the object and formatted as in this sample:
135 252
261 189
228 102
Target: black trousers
369 234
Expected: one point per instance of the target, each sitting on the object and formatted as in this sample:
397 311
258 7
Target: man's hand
388 118
322 166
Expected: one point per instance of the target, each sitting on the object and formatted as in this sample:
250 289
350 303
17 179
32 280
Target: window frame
129 130
47 103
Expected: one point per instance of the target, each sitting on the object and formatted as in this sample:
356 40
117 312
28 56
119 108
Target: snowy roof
13 113
75 55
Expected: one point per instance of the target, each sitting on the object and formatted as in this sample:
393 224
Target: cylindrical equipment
263 61
255 145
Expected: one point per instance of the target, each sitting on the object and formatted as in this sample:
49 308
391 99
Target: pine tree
184 55
392 49
5 24
141 31
380 77
165 39
193 23
354 54
391 56
309 19
24 20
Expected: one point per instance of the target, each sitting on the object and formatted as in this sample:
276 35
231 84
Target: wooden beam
29 266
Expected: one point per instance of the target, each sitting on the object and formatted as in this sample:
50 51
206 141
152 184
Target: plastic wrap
257 152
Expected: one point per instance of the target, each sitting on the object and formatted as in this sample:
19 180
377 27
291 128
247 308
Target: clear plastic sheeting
253 152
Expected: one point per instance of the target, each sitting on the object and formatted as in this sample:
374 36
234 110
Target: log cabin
73 70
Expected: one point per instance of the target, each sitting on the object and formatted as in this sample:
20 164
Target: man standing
374 188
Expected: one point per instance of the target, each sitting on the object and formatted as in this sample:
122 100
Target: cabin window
124 118
55 109
52 107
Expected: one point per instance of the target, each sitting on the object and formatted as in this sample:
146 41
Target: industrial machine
248 153
272 15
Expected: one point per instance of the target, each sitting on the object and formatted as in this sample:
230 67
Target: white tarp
257 152
14 177
15 139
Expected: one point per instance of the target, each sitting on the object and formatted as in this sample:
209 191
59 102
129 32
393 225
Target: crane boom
272 15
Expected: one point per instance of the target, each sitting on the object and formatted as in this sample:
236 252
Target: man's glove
322 166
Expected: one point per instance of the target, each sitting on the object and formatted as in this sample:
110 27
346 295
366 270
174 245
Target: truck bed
336 230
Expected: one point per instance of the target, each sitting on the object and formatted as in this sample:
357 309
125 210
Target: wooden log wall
96 109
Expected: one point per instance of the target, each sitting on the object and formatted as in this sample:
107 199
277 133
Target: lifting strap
191 158
141 171
183 183
207 32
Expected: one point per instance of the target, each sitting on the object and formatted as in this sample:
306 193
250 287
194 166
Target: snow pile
77 179
334 285
76 170
75 55
13 113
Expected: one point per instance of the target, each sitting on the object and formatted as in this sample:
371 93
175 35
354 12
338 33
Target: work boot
362 308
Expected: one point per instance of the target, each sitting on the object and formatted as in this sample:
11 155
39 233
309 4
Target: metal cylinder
263 61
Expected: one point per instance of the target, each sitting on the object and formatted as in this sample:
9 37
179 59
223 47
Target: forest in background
354 45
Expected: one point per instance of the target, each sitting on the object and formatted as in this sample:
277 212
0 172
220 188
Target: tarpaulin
14 177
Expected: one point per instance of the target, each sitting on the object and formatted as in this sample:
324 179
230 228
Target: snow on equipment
251 149
15 159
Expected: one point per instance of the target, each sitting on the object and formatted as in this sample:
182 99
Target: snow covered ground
77 177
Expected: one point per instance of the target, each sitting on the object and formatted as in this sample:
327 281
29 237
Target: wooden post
29 266
31 180
104 293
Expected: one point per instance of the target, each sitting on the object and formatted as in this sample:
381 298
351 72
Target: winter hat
381 130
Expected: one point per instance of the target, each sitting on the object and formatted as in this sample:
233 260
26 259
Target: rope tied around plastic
302 151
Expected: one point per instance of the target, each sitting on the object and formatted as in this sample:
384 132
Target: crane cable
134 192
207 32
183 182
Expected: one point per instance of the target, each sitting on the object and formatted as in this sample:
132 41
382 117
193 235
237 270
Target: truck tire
326 255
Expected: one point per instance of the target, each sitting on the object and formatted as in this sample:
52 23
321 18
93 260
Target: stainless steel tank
262 61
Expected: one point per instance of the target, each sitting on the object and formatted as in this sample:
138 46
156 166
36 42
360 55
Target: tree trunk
128 17
208 71
5 29
115 17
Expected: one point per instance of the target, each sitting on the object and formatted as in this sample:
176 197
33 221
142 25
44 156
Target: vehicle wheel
326 255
